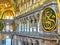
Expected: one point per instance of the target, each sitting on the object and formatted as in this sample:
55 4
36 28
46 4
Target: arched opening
31 42
23 42
37 42
27 43
8 14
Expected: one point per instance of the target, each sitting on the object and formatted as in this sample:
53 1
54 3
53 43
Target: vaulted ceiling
7 5
11 5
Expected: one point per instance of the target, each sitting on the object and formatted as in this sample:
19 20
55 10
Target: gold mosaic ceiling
6 6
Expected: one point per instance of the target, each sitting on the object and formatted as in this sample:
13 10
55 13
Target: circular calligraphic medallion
48 19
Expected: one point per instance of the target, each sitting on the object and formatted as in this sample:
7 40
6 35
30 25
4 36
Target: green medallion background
48 19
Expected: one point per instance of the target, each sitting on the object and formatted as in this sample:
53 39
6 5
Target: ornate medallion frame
55 19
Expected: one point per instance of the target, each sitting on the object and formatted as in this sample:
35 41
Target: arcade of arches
17 32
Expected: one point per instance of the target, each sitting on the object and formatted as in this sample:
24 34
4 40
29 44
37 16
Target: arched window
8 14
